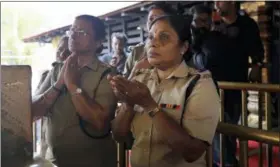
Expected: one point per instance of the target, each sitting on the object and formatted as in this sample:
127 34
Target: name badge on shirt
170 106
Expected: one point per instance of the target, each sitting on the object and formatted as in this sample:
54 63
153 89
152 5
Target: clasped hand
132 92
70 72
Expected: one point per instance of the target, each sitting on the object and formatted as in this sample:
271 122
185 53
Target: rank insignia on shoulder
206 76
142 71
170 106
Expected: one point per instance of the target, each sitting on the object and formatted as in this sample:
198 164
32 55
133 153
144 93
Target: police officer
211 49
245 34
118 56
79 101
170 127
138 53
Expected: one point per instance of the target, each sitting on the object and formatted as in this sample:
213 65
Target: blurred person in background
118 56
62 53
244 34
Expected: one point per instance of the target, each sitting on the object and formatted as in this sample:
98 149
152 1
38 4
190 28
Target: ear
184 47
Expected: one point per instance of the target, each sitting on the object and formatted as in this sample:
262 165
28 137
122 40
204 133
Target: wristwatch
77 91
153 112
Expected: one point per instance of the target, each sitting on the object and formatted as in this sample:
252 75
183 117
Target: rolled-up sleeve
202 110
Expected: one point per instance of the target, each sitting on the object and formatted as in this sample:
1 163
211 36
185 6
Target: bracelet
56 89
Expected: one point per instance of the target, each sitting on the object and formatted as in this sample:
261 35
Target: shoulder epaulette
204 74
140 44
193 71
102 64
142 71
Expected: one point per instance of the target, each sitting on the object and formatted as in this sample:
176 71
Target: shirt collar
180 72
94 64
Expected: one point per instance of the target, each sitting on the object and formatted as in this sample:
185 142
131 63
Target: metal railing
242 132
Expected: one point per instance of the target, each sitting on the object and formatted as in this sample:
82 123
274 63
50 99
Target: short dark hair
199 9
166 8
181 24
119 36
97 25
98 28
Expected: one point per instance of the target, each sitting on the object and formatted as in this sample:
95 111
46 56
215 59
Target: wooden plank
124 26
105 45
134 40
251 6
104 51
133 24
117 28
133 32
109 38
133 44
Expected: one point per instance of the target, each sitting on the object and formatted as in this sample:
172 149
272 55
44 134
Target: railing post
244 143
34 127
260 153
268 127
222 141
121 155
209 157
127 157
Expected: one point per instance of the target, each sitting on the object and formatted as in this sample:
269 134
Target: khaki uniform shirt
71 147
137 53
200 118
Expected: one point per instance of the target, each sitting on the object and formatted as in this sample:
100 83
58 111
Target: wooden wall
128 26
133 26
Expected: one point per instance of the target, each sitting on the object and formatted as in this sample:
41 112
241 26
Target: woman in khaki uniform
79 101
138 57
170 130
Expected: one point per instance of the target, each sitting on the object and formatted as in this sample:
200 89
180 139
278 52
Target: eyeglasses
79 33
